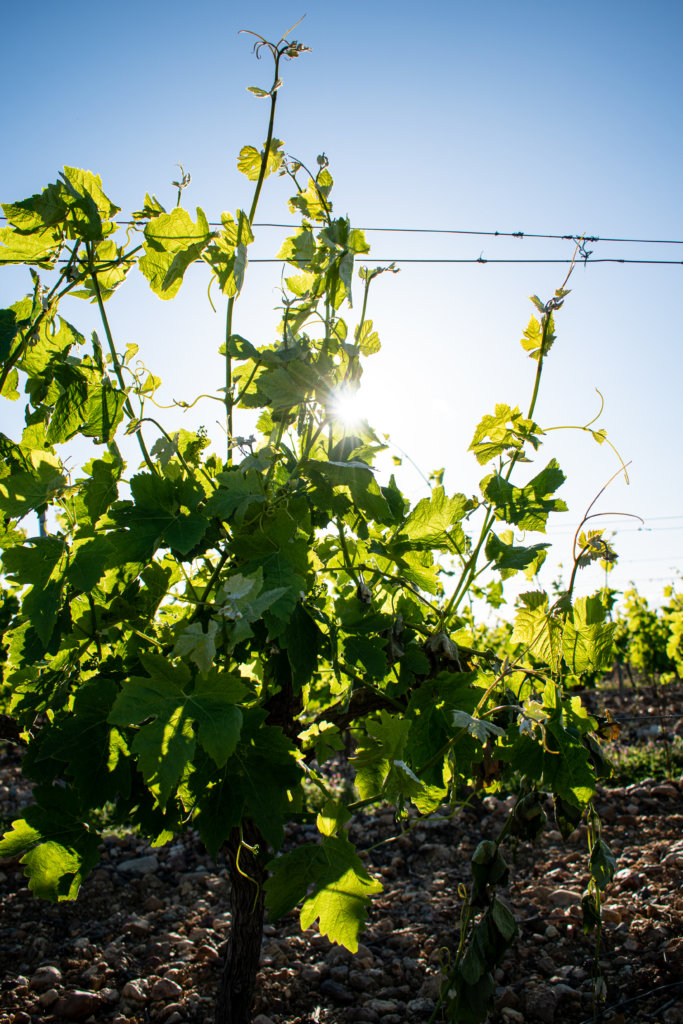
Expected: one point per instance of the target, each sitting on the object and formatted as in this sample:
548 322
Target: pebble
507 997
514 1016
139 926
667 790
337 992
565 897
77 1005
207 953
540 1003
46 999
165 989
338 955
167 1011
430 987
45 978
153 903
627 878
563 991
382 1006
139 865
420 1005
360 981
135 990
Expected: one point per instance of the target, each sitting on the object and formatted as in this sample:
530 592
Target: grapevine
190 635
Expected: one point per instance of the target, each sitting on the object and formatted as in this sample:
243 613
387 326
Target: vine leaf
367 339
21 493
340 888
314 202
193 644
538 629
166 744
156 518
57 848
509 560
40 247
45 209
432 518
256 782
603 864
532 340
89 209
172 242
299 249
359 478
249 160
507 430
527 507
588 640
227 254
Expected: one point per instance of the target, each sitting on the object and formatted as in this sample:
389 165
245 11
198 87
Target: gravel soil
144 941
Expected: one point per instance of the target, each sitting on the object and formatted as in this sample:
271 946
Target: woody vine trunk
247 871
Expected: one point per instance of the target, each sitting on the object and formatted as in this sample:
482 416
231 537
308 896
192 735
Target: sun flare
349 408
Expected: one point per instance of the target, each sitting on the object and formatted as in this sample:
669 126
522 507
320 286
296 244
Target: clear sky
533 116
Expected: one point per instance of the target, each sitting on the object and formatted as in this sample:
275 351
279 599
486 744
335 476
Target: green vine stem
277 51
114 356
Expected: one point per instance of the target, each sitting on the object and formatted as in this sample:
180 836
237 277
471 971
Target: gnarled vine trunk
247 874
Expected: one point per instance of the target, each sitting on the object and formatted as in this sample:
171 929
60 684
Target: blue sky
531 117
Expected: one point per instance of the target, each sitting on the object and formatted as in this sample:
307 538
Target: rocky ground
143 943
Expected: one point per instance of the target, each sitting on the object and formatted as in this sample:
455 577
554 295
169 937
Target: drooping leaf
302 639
314 201
508 558
341 888
603 864
57 848
89 209
527 507
227 254
172 242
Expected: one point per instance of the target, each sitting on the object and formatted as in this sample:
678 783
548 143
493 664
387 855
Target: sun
349 408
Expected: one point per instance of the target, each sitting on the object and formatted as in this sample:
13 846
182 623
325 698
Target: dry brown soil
144 941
